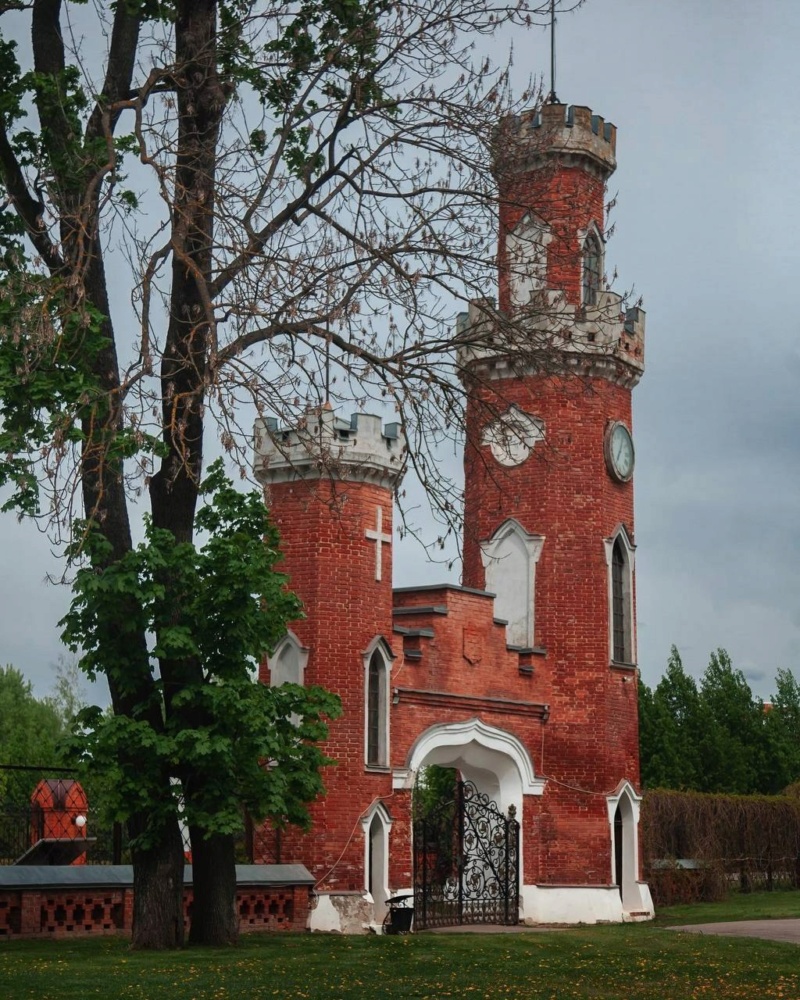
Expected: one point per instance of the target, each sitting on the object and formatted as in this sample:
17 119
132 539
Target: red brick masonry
58 902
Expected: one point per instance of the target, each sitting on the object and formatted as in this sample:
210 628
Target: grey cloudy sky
704 93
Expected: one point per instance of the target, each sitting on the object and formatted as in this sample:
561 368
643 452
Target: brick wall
62 912
332 567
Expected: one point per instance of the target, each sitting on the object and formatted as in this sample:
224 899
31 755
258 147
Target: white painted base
354 912
342 913
580 904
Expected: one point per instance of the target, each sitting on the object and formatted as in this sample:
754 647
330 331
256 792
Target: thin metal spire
551 97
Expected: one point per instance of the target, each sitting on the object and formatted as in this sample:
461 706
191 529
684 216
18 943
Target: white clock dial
619 452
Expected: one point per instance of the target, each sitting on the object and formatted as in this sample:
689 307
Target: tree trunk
215 919
174 488
158 892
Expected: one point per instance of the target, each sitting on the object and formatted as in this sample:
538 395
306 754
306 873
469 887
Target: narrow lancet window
592 269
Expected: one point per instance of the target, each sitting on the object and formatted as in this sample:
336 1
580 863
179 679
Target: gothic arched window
592 268
377 710
288 663
509 558
619 555
618 604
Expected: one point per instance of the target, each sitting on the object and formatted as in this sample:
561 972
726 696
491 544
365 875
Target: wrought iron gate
466 867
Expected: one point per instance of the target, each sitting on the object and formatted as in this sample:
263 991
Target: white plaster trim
628 590
457 734
635 895
544 904
526 254
290 639
512 436
623 788
492 558
379 810
341 913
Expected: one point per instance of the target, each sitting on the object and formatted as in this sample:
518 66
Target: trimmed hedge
730 841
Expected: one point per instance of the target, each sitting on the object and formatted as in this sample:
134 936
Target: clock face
619 452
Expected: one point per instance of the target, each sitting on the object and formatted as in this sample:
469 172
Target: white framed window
591 265
619 552
509 560
623 820
377 825
377 668
287 665
526 249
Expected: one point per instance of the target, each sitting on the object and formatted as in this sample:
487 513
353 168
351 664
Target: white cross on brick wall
376 535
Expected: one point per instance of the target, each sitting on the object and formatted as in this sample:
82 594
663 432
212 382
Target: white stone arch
288 662
376 824
628 803
622 541
526 250
497 761
509 560
377 686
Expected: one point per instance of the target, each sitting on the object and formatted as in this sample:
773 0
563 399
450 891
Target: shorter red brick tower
330 486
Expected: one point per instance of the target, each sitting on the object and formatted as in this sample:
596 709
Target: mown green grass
633 962
738 906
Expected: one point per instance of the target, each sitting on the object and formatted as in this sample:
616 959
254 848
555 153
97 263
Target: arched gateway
467 848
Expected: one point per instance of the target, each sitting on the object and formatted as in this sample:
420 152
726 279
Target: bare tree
210 204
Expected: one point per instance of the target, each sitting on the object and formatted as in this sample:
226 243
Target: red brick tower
330 487
549 489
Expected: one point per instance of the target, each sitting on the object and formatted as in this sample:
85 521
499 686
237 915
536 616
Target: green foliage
213 611
435 788
30 729
669 723
718 737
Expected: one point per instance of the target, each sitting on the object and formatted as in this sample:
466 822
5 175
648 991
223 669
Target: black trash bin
401 913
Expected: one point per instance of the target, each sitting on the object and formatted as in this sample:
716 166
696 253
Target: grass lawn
738 906
632 962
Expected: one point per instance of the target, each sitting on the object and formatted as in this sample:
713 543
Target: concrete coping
14 877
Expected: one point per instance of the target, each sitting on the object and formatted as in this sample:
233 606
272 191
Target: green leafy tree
232 742
30 729
782 734
209 202
731 744
670 727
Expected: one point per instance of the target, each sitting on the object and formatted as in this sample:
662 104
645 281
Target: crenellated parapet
605 339
531 139
323 445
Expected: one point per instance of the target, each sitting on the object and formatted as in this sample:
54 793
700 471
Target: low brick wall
91 901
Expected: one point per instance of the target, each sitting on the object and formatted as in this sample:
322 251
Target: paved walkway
770 930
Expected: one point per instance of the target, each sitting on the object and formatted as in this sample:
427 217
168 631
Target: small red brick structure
58 830
524 678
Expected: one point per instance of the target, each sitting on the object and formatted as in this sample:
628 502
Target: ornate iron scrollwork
466 868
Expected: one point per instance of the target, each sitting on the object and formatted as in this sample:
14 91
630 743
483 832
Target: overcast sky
704 94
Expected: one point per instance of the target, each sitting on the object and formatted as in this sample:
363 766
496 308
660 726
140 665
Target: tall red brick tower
549 485
330 485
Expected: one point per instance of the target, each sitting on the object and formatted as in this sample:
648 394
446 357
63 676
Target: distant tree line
715 736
